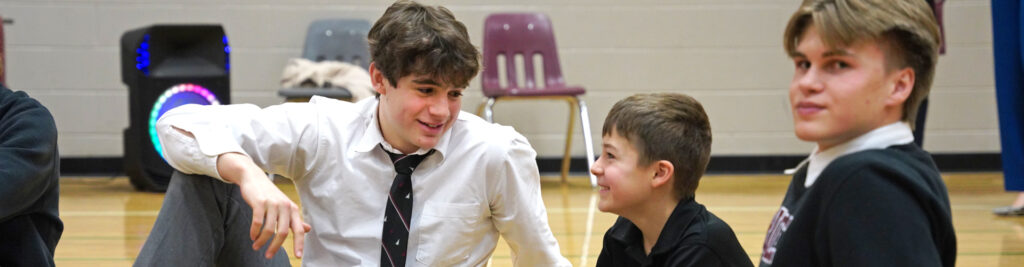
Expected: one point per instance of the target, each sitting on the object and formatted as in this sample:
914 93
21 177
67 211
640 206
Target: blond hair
905 29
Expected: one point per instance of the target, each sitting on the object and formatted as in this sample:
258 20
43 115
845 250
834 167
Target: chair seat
550 91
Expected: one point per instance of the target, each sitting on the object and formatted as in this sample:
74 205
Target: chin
604 206
807 132
427 144
807 137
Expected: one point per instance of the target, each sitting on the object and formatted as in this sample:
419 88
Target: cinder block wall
726 53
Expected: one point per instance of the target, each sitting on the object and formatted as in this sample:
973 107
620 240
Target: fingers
268 228
257 221
283 222
299 228
274 215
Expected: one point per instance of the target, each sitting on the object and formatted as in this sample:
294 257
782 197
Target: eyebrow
428 81
830 53
836 52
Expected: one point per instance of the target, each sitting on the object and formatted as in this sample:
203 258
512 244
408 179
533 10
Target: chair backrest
338 39
522 37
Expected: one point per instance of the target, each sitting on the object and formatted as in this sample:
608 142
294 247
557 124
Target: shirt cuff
196 154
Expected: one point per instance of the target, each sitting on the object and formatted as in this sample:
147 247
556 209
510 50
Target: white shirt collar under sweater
898 133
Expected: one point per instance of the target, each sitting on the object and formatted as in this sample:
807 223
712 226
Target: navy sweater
878 207
29 172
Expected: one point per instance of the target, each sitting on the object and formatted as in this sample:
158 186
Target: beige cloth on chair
302 72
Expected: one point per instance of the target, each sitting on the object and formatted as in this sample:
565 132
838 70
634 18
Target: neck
826 144
652 217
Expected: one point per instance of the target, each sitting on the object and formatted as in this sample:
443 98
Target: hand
273 213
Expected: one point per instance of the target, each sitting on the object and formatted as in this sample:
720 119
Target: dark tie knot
405 164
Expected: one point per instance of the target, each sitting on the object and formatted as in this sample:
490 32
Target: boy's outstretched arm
239 144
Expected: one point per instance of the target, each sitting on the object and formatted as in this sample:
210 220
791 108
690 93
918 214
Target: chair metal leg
567 157
480 109
486 110
585 120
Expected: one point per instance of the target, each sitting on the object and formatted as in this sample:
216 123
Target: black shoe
1009 211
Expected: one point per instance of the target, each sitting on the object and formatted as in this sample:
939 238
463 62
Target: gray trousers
204 222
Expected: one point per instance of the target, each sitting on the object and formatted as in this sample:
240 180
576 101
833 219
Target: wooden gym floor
106 221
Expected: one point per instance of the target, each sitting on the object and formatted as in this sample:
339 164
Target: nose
809 82
439 107
597 168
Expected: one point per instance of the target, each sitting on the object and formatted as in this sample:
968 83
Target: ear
377 79
903 83
663 171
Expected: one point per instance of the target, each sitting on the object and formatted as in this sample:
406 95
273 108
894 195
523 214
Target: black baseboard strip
969 162
766 164
92 166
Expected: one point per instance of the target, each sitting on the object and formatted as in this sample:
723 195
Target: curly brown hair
411 38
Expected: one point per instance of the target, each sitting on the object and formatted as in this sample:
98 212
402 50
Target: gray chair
332 39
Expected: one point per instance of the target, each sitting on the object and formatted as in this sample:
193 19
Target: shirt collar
896 133
671 234
372 136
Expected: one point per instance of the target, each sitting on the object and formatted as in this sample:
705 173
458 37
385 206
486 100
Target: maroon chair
520 62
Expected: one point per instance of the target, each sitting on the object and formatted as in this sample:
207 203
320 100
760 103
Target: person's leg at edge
203 222
1007 25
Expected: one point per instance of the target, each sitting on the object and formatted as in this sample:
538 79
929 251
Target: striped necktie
395 236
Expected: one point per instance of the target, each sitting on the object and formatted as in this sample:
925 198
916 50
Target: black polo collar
632 238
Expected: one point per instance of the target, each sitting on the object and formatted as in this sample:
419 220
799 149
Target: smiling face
841 93
624 184
415 112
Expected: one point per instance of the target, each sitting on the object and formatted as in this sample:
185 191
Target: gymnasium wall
726 53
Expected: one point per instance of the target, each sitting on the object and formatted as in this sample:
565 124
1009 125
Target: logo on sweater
779 225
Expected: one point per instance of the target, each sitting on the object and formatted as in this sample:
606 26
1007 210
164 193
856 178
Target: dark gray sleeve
28 152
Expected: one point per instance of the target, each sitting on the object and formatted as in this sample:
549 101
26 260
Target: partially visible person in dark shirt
29 172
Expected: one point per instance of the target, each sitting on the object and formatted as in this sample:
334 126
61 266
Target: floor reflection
106 221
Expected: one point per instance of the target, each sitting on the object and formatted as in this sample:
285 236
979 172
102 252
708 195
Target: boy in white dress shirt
350 164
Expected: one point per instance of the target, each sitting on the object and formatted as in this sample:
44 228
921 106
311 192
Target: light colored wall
725 53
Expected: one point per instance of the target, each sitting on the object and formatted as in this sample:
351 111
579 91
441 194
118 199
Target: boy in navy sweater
868 196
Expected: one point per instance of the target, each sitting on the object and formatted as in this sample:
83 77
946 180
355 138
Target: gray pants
204 222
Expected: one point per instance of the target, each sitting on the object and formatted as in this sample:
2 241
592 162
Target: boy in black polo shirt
655 149
868 196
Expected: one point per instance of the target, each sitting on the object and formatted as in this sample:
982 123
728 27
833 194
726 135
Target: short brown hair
411 38
906 30
665 126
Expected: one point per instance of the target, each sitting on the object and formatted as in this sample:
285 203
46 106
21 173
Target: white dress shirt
482 181
897 133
